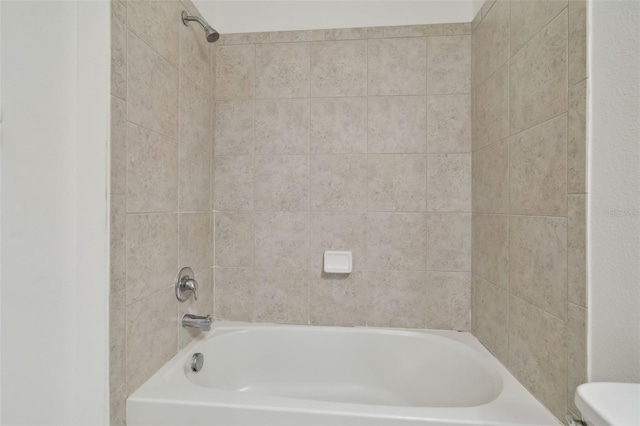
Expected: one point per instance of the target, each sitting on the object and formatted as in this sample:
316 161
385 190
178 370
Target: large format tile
448 302
397 66
448 123
491 41
578 50
235 71
282 182
491 324
338 299
339 68
118 243
234 239
528 17
338 182
491 109
282 70
577 249
152 336
337 231
118 145
490 179
538 262
396 241
538 169
117 339
538 77
233 294
152 254
195 52
295 36
158 24
338 126
195 241
281 296
119 49
396 298
449 242
577 139
397 182
397 124
576 352
538 353
282 126
243 38
233 183
152 98
491 248
281 239
234 127
449 183
449 65
152 171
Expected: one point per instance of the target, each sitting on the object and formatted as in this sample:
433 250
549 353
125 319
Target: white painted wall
268 15
614 185
54 257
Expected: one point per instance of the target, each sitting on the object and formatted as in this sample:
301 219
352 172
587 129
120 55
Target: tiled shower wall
529 192
351 139
160 186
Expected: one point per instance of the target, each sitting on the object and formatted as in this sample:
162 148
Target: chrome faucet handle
186 283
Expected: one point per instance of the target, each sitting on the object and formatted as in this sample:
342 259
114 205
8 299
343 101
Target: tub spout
197 321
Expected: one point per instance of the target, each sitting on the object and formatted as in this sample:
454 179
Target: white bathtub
257 374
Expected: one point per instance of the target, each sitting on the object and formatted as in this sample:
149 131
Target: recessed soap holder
338 262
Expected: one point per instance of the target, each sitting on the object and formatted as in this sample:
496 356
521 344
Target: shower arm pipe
186 18
211 34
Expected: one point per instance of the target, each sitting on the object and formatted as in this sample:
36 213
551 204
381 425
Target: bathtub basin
258 374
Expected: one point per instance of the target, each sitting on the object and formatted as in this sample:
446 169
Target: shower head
212 35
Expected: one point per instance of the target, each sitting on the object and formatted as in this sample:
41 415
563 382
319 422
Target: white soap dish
337 262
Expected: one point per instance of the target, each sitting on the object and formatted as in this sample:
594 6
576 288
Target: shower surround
246 159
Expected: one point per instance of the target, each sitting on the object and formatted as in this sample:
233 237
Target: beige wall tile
281 239
337 231
396 182
491 109
243 38
538 262
491 41
538 353
396 241
491 248
528 17
152 336
397 66
538 169
235 71
117 339
282 126
281 296
152 88
577 139
295 36
474 23
449 242
282 182
233 183
338 182
338 126
578 69
449 65
396 298
118 406
155 22
397 124
282 70
338 299
234 294
152 254
234 239
195 147
538 77
118 49
339 68
577 249
118 145
195 52
234 128
491 324
202 306
448 123
448 301
458 28
195 241
346 33
449 183
486 7
118 243
576 352
152 171
405 31
490 179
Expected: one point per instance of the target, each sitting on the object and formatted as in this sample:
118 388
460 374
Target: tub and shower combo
259 374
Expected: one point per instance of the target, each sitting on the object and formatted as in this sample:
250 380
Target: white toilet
609 404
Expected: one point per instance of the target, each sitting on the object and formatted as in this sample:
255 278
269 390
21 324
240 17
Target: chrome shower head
212 35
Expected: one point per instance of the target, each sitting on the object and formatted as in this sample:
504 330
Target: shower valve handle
185 284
